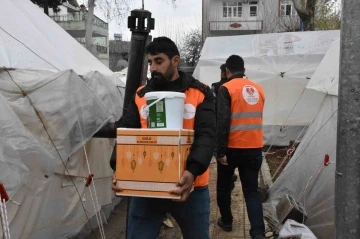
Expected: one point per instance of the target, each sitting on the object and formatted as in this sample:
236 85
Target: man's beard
160 79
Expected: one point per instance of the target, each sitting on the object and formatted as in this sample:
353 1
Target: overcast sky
169 21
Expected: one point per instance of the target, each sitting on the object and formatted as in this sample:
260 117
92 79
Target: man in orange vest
215 88
192 211
240 104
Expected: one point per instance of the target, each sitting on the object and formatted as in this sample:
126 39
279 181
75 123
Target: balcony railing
256 25
99 49
79 17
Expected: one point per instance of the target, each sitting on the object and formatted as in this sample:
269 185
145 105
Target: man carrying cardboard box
192 210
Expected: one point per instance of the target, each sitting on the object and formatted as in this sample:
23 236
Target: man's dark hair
235 64
162 45
223 68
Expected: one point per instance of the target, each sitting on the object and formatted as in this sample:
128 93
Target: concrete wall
104 58
77 29
72 22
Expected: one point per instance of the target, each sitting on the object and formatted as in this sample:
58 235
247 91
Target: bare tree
190 49
54 4
118 54
114 10
328 16
310 11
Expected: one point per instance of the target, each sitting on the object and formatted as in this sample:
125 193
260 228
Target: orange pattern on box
150 161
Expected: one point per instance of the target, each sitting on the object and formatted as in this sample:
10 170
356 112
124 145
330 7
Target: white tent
282 63
305 177
49 115
31 40
121 76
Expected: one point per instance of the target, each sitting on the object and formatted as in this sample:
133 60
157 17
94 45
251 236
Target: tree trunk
46 7
306 12
309 22
89 26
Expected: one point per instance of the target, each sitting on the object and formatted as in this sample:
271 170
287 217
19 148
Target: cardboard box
149 162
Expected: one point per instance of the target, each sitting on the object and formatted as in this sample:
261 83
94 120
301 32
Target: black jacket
203 146
223 112
215 86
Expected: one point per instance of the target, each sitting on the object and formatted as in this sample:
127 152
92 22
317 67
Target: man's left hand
185 183
223 160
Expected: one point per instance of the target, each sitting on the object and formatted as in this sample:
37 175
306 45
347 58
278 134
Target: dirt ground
274 158
116 227
170 233
241 225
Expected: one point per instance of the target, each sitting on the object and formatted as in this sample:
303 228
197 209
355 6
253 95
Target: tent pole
347 187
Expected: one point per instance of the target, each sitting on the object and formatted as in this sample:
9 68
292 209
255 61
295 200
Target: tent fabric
282 63
121 76
64 103
305 172
326 78
319 140
29 39
32 168
106 90
40 85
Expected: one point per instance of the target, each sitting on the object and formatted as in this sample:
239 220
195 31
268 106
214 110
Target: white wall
216 12
268 13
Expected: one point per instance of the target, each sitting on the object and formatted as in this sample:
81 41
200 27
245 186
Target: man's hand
223 160
185 183
113 186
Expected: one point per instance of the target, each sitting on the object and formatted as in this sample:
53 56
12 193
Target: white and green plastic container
165 109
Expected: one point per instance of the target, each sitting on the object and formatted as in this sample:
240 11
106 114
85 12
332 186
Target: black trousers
248 162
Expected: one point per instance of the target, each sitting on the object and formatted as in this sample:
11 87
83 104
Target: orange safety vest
193 97
247 104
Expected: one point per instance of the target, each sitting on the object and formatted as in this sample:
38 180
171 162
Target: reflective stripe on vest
247 103
254 124
193 98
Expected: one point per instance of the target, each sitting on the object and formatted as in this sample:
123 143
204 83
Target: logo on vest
189 111
144 113
250 94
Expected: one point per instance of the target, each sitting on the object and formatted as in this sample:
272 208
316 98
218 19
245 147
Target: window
253 8
287 9
232 9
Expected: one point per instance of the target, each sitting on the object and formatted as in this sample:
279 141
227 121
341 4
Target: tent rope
327 121
290 67
56 149
292 147
4 219
281 127
321 167
97 208
310 182
28 48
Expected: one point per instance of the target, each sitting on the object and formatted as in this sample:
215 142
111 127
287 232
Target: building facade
242 17
72 18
